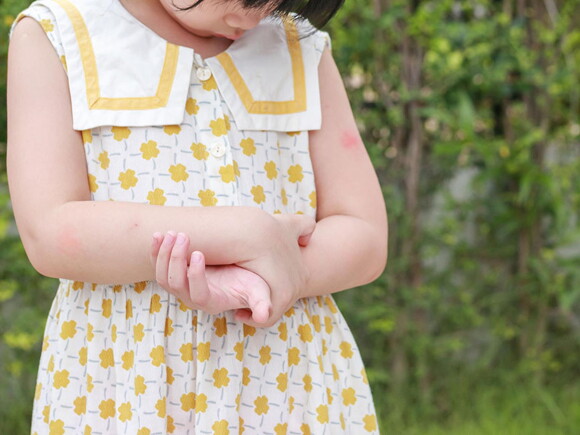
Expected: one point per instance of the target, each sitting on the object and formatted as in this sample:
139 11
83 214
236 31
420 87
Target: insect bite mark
350 140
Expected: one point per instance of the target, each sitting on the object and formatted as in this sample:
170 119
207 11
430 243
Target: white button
218 149
203 73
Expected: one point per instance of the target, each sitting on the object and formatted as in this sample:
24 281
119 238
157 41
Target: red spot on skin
350 140
68 242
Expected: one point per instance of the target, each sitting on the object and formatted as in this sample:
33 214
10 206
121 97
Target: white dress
163 126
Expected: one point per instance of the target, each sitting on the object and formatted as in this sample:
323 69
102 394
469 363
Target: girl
150 138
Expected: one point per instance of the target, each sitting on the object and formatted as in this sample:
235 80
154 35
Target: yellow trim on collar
298 104
94 99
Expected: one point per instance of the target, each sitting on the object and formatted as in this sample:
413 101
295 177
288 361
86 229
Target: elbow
378 255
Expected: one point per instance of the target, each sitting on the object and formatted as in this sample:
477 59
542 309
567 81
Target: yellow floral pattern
135 358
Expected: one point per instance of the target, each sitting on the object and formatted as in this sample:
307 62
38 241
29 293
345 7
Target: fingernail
196 257
156 235
171 234
180 239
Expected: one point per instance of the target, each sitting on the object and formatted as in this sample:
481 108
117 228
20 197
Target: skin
111 242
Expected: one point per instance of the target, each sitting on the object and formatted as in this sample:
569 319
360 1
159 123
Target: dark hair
318 12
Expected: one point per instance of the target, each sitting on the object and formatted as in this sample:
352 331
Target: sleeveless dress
163 126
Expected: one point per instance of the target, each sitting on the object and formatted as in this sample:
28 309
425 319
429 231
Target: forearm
344 252
110 242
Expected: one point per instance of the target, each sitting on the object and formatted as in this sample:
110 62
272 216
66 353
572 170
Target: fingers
259 301
163 257
198 287
155 245
177 268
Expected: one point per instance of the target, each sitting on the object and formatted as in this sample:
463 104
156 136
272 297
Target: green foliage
471 114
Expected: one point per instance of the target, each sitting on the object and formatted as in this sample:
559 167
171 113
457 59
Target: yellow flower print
316 322
265 356
104 159
186 351
138 333
370 421
331 305
324 347
221 378
363 373
86 307
203 351
170 425
80 404
199 151
282 380
335 373
37 391
47 25
107 408
239 349
322 414
117 288
93 186
307 379
221 326
209 84
281 429
305 332
168 327
128 358
258 193
120 133
107 306
312 197
128 179
172 129
277 211
207 197
249 331
140 286
140 386
236 169
114 333
293 356
156 197
261 405
283 331
46 413
291 404
87 136
78 285
293 133
169 377
201 403
346 349
271 170
246 376
329 395
328 327
56 427
68 330
220 126
157 356
125 413
295 173
90 384
187 401
155 304
348 396
227 173
320 366
178 173
149 150
284 197
107 358
160 406
191 106
45 342
248 146
305 429
144 431
61 379
220 428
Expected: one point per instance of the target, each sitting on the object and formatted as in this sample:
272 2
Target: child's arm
68 236
349 246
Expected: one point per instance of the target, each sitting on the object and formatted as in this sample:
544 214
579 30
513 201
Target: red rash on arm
350 140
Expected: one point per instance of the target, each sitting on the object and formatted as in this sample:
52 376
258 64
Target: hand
212 289
281 265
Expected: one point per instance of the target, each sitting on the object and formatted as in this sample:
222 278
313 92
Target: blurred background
470 110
